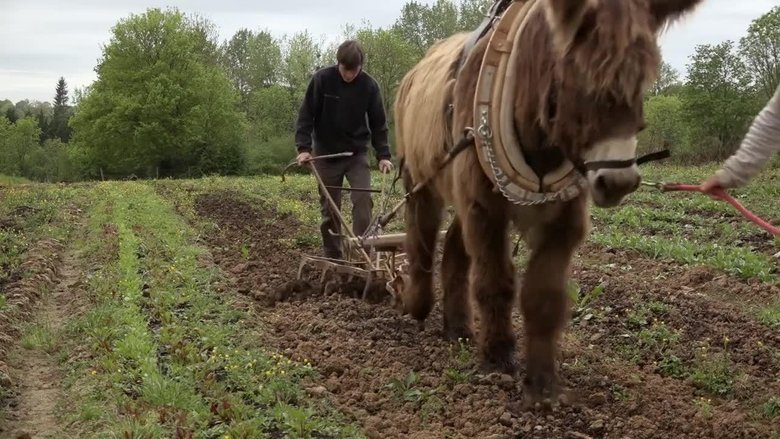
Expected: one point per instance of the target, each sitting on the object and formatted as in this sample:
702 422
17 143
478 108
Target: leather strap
498 7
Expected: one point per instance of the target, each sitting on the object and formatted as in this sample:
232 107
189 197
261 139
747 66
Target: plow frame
373 257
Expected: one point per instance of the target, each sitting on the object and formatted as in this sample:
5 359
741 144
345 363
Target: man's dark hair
350 54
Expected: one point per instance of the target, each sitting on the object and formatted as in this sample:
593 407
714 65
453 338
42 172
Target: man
342 111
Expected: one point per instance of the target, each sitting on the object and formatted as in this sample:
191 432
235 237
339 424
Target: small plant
704 405
771 409
671 366
404 388
298 421
713 372
619 392
582 301
39 337
245 251
462 358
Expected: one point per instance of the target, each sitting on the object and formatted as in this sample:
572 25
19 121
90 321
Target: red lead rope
723 195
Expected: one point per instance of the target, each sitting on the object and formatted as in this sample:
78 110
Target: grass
167 356
10 180
39 336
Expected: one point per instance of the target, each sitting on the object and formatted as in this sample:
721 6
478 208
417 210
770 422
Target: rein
584 167
722 195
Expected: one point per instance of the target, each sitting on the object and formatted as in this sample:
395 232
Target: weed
704 405
582 301
39 337
771 409
713 372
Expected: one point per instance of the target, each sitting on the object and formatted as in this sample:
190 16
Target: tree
668 80
59 128
17 140
666 126
388 58
235 59
161 101
301 58
265 60
472 12
718 100
761 50
421 25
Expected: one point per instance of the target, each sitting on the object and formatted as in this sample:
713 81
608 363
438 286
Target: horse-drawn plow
374 261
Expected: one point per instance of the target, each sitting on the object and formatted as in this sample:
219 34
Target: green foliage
421 25
15 142
161 103
388 59
59 128
761 50
271 112
665 126
252 61
171 101
668 80
168 356
718 101
300 59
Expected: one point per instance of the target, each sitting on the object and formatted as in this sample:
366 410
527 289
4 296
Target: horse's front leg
543 296
491 281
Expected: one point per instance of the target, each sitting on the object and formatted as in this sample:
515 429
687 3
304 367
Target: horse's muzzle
608 187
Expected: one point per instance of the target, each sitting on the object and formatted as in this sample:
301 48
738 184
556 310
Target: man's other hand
385 166
303 158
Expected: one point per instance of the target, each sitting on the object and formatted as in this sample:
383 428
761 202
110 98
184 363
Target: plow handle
319 157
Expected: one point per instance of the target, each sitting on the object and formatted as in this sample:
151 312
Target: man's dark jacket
338 116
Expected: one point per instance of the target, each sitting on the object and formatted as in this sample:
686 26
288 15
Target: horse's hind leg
423 216
543 295
454 279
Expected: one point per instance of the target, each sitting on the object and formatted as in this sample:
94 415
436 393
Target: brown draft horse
596 57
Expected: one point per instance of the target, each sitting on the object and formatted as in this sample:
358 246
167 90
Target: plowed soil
627 356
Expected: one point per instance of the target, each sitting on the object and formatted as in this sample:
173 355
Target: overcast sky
41 40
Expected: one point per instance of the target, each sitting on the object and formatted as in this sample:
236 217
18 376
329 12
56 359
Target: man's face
348 75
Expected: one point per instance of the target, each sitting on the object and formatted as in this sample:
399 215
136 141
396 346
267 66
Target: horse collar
498 145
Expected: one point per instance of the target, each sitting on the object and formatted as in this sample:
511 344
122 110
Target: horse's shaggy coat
582 68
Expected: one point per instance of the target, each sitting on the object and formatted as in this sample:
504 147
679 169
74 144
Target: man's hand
710 184
385 166
303 158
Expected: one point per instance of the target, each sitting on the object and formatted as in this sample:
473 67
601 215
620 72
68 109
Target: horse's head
607 55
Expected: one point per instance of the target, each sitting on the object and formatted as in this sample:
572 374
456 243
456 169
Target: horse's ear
666 11
565 19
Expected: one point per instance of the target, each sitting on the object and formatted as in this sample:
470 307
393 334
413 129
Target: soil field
168 309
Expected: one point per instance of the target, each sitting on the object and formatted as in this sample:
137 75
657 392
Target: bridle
582 166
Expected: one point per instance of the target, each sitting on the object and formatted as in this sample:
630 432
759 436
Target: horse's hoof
542 391
506 364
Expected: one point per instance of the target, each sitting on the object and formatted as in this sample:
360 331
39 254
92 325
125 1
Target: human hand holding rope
713 189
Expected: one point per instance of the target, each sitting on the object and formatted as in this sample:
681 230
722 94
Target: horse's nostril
601 183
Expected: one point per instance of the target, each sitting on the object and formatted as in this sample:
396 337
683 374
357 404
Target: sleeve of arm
760 143
377 121
306 116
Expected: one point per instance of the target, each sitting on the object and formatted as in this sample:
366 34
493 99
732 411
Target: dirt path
32 412
399 381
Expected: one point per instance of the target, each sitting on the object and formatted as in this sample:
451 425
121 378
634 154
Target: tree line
171 100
